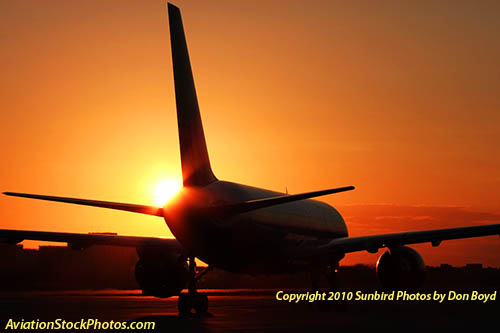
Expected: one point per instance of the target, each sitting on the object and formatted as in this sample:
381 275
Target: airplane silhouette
240 228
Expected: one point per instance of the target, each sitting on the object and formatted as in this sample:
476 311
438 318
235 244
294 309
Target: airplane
240 228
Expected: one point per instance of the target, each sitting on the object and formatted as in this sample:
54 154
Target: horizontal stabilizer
243 207
142 209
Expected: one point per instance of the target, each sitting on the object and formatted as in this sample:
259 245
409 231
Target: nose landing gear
196 301
193 299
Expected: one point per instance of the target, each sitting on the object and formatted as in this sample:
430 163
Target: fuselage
259 241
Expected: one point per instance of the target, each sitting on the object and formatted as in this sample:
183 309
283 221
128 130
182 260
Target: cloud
395 218
369 219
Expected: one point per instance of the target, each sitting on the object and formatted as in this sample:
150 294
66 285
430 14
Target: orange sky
399 99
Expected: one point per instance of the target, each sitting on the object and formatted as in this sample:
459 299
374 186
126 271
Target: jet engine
401 268
160 273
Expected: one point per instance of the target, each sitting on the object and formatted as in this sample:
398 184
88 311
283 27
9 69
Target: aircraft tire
201 303
184 304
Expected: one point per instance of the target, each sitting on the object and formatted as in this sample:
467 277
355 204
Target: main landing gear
333 283
193 299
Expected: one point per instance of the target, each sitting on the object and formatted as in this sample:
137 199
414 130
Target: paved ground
247 311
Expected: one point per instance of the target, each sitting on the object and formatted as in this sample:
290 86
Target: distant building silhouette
473 267
446 267
55 267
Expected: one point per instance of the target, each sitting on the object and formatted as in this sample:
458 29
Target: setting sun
166 190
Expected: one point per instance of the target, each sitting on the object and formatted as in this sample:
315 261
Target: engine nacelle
401 268
160 274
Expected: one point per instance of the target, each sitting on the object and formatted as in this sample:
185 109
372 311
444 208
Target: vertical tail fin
196 170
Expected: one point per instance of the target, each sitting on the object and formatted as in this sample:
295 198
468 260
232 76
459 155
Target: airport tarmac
246 310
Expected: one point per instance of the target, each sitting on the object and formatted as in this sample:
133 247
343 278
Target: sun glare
166 190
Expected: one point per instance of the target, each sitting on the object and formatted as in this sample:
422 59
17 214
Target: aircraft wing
81 241
374 242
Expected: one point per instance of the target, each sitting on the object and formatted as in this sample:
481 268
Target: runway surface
246 310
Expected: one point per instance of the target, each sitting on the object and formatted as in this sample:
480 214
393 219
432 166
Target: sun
166 190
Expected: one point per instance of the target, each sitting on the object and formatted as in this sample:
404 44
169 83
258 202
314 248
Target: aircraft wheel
340 306
323 306
184 304
201 303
